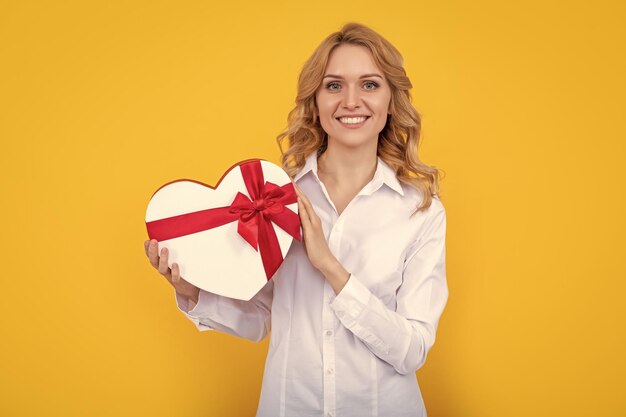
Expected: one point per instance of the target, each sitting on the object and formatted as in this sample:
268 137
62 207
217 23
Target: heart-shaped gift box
229 239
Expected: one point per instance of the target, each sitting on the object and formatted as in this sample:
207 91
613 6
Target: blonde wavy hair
397 142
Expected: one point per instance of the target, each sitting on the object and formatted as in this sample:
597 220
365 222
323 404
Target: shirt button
329 332
330 370
330 414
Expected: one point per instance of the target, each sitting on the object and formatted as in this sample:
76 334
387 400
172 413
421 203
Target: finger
163 266
304 222
304 215
146 246
301 194
305 202
304 199
153 253
313 218
175 273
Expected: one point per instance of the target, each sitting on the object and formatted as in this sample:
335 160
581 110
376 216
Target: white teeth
352 120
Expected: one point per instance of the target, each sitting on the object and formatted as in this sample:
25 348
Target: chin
351 141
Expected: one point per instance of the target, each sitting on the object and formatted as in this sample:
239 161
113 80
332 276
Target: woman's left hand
314 241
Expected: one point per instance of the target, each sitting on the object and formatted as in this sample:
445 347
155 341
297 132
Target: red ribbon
254 215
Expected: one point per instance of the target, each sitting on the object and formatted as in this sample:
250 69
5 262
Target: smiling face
353 99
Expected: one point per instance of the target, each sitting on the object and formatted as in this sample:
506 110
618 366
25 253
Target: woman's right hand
181 286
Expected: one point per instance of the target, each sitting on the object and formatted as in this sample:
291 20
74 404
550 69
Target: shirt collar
384 173
310 164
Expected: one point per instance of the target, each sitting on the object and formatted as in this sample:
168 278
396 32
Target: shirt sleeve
247 319
402 337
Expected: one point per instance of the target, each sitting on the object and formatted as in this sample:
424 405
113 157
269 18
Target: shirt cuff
352 299
352 308
206 307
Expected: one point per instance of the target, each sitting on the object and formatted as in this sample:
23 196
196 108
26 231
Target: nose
351 98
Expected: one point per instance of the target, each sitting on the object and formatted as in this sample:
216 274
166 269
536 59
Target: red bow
255 215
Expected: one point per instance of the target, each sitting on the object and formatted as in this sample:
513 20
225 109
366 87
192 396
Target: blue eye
331 84
371 83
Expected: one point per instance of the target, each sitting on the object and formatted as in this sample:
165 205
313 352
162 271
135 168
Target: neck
348 167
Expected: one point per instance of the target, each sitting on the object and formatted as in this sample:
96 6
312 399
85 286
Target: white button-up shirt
354 353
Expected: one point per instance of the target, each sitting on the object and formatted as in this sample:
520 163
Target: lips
353 120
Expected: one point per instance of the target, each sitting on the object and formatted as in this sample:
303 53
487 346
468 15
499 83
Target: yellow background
103 102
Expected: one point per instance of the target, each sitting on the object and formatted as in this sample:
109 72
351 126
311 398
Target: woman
354 308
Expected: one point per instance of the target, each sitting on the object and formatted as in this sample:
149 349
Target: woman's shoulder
413 198
429 221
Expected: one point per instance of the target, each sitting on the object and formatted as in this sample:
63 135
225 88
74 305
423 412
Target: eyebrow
362 76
